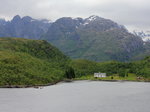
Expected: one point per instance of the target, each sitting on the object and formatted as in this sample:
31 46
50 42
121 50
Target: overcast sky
134 14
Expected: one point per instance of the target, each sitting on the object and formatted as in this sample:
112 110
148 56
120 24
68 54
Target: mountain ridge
25 27
94 38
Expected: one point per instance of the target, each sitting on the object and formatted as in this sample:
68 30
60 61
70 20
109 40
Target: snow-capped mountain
93 38
145 35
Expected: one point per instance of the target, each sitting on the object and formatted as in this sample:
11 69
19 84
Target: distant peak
93 17
27 18
16 18
2 21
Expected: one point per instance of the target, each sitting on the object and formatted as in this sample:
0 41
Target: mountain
30 62
25 27
145 35
94 38
2 21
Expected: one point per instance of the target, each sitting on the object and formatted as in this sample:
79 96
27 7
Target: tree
126 72
121 73
70 74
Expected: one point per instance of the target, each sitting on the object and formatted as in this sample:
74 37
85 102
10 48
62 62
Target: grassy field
131 77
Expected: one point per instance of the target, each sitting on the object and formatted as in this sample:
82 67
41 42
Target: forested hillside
112 68
30 62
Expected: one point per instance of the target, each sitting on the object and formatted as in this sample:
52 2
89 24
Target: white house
99 75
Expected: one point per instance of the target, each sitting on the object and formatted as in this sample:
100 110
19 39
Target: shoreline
65 81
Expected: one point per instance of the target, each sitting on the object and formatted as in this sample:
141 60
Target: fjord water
79 96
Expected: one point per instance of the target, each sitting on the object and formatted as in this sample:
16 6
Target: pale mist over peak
134 14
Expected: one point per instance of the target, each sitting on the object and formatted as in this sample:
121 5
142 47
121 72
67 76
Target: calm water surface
79 96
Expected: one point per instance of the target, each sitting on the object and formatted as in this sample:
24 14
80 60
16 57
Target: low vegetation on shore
133 71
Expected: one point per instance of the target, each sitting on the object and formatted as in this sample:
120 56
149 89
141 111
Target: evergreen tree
70 74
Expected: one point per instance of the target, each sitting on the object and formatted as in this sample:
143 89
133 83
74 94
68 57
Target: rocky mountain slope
145 35
94 38
25 27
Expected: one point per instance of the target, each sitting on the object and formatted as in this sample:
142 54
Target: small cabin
96 75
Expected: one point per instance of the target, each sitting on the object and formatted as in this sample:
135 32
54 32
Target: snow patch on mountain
146 39
32 20
145 35
77 27
92 18
86 23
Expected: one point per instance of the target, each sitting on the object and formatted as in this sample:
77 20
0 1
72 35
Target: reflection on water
79 96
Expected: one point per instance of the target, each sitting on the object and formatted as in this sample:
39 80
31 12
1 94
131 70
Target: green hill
142 67
30 62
